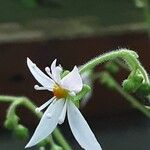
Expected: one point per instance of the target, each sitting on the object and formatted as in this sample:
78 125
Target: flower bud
138 78
129 85
133 83
21 132
10 123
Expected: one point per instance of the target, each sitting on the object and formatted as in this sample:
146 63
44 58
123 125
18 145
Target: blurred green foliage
107 12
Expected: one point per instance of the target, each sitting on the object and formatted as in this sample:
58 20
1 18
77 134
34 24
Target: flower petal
39 75
72 81
81 129
53 65
56 70
47 124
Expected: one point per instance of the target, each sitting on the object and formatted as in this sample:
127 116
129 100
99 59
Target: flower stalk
130 57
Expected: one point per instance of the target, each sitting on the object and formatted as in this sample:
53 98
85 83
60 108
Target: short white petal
53 68
47 124
81 129
56 71
39 75
72 81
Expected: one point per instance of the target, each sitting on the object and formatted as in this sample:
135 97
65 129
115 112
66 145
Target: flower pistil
59 92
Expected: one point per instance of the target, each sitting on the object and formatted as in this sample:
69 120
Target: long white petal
47 124
39 75
81 129
72 81
45 104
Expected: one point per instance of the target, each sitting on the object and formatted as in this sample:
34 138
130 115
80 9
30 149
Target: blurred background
74 32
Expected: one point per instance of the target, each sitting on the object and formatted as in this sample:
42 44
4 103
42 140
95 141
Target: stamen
38 109
37 87
54 101
63 114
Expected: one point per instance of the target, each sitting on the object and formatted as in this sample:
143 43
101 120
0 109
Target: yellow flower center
59 92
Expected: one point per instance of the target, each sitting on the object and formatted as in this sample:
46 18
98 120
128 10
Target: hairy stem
129 56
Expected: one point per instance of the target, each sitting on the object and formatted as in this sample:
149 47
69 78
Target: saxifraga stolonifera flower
60 105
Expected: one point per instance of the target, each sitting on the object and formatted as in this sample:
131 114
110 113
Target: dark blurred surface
125 132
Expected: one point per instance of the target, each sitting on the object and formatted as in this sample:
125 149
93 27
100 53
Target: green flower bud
111 67
21 132
133 83
10 123
138 78
129 85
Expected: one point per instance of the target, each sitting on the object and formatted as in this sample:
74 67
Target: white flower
60 105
